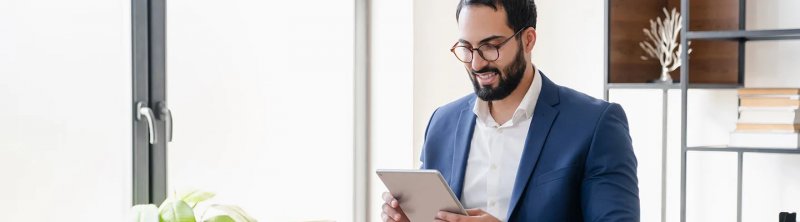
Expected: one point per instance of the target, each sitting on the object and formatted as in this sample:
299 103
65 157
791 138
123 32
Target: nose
478 62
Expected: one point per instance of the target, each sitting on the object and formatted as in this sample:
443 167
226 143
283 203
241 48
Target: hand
473 215
391 209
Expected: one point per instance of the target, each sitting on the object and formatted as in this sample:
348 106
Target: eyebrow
490 38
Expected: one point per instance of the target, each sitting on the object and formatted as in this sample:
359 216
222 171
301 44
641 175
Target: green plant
181 207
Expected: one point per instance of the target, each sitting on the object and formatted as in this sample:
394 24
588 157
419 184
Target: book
769 115
769 91
769 102
771 96
765 140
758 127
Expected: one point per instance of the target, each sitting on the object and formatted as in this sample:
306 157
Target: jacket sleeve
425 141
609 191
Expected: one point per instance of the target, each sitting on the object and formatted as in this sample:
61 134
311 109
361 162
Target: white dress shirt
495 154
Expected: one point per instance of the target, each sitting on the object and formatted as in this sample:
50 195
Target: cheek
469 72
503 66
507 57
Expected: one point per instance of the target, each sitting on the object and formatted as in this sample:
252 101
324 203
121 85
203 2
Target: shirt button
491 203
494 167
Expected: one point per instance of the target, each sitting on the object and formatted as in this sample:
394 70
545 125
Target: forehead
477 22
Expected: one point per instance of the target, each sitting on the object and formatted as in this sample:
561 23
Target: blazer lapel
543 116
461 145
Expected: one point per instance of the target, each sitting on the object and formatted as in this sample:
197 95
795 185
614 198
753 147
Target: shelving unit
717 62
741 36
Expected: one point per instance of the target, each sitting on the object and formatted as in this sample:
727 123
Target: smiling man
522 148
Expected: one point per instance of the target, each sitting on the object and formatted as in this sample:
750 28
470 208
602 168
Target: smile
486 76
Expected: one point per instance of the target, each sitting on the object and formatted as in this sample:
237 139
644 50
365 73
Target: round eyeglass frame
483 48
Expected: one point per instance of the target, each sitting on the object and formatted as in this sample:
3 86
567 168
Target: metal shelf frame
743 149
670 86
746 35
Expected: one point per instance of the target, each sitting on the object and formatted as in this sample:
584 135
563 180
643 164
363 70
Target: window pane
262 95
65 85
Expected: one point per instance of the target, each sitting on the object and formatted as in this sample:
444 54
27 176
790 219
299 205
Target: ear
529 38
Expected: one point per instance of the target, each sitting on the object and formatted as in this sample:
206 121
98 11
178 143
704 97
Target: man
523 148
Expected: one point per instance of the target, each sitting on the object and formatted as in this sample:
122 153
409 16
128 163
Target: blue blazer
577 165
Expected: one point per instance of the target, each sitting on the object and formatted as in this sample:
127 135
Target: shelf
742 149
749 35
642 86
669 86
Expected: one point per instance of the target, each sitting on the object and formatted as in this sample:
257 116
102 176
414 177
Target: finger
437 220
386 218
388 210
389 199
451 217
394 213
475 212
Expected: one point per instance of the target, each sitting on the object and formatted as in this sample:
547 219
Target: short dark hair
520 14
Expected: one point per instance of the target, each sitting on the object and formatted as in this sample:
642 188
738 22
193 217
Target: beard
508 80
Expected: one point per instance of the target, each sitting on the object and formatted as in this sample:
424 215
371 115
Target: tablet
421 193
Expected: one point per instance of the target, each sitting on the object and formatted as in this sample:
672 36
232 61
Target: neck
502 110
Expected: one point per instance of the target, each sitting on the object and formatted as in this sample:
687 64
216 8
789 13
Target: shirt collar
523 112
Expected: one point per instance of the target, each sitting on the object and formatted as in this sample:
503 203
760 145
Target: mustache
485 70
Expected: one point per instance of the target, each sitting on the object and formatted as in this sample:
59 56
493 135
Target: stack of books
768 118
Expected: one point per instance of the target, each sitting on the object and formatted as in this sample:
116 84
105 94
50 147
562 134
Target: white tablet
421 193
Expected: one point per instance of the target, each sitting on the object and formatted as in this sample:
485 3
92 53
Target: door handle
166 115
143 111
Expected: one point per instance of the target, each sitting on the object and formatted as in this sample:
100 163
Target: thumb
447 216
475 212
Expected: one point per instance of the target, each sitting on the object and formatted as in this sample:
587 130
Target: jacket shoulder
446 116
456 106
576 102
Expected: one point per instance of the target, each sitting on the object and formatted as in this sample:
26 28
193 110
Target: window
262 96
65 87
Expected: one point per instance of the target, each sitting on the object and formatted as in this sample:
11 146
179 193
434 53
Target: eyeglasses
488 52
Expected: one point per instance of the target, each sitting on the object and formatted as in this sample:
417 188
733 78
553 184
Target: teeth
486 75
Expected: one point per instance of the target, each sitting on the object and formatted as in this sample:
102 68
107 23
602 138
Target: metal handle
142 110
166 115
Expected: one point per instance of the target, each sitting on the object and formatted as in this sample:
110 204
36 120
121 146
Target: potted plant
182 207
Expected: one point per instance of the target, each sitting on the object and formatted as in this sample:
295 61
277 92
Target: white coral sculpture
663 43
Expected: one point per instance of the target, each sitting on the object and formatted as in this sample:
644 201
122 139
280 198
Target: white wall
439 77
570 45
773 63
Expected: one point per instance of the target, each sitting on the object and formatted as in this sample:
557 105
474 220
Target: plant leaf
234 212
176 211
220 218
144 213
193 197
